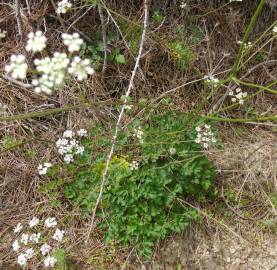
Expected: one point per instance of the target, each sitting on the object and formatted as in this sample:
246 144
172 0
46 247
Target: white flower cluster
128 107
52 71
72 42
134 165
238 96
32 243
172 151
247 45
138 133
204 135
36 42
63 6
80 68
68 146
2 33
183 4
210 79
43 168
17 67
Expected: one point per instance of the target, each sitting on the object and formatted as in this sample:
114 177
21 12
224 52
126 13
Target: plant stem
265 88
246 37
242 120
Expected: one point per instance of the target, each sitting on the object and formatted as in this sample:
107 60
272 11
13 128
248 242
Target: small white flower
18 228
17 67
61 142
247 45
68 158
52 72
172 151
22 260
198 129
50 222
80 68
138 133
211 80
49 261
43 168
58 235
73 42
24 238
16 245
36 42
45 248
34 221
73 143
80 150
274 29
35 237
204 136
134 165
29 253
82 132
2 34
128 107
63 6
68 134
238 96
183 4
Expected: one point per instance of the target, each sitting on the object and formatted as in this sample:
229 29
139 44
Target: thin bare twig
16 82
117 128
79 18
18 19
104 37
121 34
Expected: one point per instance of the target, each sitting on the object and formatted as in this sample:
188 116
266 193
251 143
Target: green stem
43 113
237 103
242 120
265 88
246 37
56 110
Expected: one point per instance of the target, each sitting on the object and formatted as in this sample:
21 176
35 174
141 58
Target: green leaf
120 59
60 256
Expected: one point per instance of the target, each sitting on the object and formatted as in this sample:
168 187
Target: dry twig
117 128
104 37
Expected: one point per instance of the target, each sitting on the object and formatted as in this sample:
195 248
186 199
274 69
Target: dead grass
246 165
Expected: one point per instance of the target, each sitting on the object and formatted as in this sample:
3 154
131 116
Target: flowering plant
51 72
156 163
38 240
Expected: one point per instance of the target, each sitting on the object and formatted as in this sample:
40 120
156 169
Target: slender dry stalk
117 128
121 34
18 19
104 37
79 18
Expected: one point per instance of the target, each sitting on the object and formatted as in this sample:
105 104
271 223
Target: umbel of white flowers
238 96
204 136
51 72
63 6
29 244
